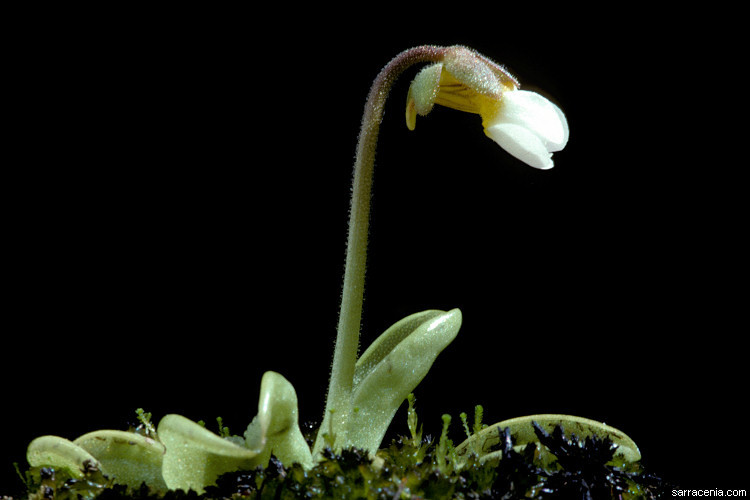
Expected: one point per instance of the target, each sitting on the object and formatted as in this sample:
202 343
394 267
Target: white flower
524 123
529 127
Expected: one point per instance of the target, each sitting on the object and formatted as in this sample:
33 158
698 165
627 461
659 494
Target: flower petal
535 113
558 146
521 143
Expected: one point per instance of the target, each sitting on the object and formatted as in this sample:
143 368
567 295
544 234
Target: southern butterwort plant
364 391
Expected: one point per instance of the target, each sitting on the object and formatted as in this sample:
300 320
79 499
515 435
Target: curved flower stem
347 339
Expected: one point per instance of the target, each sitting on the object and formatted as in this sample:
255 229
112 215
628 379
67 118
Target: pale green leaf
275 429
522 432
392 367
196 456
57 452
129 458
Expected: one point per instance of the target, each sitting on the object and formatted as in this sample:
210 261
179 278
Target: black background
177 188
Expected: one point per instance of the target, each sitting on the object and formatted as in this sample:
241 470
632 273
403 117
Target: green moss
560 466
445 451
579 472
223 430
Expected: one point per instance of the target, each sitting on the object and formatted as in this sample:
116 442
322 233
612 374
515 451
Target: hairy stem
338 403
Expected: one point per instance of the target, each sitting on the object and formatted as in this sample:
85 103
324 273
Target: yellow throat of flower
436 85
